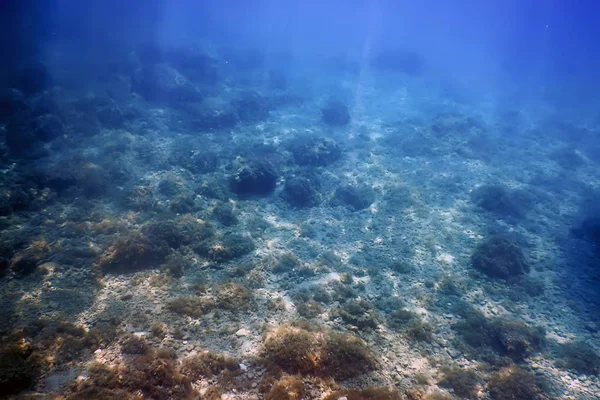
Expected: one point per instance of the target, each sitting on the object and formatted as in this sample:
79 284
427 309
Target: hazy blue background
539 48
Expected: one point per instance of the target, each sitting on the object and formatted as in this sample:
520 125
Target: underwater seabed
182 227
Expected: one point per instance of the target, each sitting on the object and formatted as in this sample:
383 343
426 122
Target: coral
354 197
513 383
301 191
208 365
499 257
335 113
464 382
254 178
132 252
579 357
315 151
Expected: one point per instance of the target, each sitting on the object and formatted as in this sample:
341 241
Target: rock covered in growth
214 119
500 200
499 257
25 135
354 197
302 191
31 78
335 113
251 107
254 178
298 351
456 125
163 83
315 151
195 64
589 229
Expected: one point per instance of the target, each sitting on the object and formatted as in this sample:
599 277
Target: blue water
299 200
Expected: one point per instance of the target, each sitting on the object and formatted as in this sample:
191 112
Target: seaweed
288 387
513 383
18 369
464 382
359 313
299 351
580 357
193 307
132 252
209 364
369 393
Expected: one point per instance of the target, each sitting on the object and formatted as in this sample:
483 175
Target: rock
242 332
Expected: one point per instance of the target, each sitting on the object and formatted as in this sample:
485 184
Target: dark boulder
255 178
301 191
25 136
315 151
251 107
354 197
207 117
31 78
499 257
335 113
163 83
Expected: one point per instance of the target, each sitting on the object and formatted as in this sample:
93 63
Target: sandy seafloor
422 152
